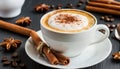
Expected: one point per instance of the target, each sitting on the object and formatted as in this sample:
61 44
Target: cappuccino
68 21
67 31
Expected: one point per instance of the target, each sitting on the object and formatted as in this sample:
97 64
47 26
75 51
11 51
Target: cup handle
104 36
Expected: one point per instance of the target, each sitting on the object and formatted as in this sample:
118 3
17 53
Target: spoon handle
118 29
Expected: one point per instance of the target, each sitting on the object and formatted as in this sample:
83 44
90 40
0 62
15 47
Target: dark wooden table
28 10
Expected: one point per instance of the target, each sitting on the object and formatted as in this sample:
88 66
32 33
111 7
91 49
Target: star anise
116 55
41 7
10 44
23 21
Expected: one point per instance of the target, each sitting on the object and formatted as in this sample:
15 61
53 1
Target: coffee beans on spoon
118 28
111 27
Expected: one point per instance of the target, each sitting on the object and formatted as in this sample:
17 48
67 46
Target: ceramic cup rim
95 23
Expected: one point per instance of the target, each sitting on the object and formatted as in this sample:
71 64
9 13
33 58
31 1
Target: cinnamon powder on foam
66 18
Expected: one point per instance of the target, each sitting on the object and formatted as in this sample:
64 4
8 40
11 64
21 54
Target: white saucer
94 54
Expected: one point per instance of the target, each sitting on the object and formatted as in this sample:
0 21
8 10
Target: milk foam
79 23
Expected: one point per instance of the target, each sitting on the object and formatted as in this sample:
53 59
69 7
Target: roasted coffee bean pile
45 7
14 62
110 19
107 18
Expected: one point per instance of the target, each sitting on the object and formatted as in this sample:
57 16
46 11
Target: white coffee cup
72 43
10 8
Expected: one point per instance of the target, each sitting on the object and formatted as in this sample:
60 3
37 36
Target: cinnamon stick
36 39
62 59
107 2
52 59
28 32
102 10
42 48
103 5
14 28
53 56
40 45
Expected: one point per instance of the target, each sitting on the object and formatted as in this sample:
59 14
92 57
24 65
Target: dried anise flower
10 44
41 7
23 21
116 55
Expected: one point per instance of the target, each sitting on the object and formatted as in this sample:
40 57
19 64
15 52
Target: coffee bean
14 64
108 25
22 65
111 19
79 4
107 19
111 30
15 55
6 63
4 58
102 17
17 60
81 1
52 6
69 5
59 7
113 26
106 16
